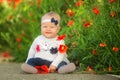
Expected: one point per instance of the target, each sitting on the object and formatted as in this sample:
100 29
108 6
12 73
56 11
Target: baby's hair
50 15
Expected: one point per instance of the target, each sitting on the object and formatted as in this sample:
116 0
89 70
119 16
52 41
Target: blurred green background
92 29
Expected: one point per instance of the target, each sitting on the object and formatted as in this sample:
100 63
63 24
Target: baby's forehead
49 17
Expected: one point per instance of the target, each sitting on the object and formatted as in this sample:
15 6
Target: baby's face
49 29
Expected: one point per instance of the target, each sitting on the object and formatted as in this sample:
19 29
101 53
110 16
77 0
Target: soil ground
12 71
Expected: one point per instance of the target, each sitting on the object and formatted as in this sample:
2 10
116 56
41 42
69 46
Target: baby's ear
58 28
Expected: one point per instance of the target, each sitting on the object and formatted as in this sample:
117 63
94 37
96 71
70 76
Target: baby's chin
50 37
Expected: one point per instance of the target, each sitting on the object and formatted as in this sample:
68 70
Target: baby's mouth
48 32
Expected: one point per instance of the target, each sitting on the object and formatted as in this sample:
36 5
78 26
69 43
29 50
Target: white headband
52 20
46 20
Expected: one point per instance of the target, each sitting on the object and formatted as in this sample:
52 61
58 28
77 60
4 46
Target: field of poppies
91 29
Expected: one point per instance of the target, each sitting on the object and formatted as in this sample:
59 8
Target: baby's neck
51 37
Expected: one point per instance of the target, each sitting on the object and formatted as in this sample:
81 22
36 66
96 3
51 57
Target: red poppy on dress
96 10
62 48
37 48
61 37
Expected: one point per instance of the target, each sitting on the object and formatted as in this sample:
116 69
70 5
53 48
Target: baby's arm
58 59
61 54
31 52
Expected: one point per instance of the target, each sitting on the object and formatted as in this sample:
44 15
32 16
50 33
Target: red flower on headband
61 37
62 48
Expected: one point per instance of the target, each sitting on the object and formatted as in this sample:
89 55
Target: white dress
47 49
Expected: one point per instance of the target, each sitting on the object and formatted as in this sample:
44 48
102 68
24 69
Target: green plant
91 29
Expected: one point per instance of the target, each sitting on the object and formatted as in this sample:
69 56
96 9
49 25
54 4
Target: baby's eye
44 26
52 27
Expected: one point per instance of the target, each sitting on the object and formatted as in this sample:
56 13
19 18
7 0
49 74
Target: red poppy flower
96 10
111 1
37 48
89 68
94 52
70 12
9 1
17 2
10 17
102 44
79 3
87 24
25 20
62 48
61 37
70 23
115 49
38 2
110 68
6 54
18 39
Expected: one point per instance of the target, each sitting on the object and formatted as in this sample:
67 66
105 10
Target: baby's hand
52 68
